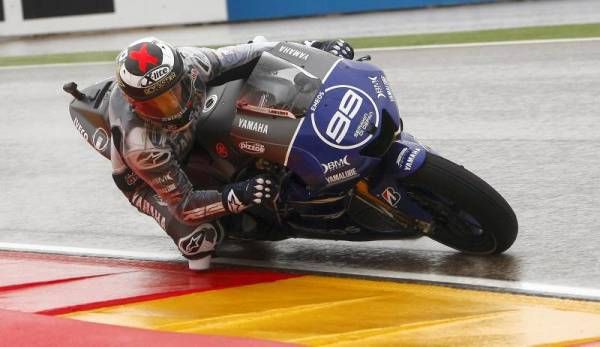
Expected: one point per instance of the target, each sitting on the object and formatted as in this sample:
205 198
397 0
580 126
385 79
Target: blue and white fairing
348 127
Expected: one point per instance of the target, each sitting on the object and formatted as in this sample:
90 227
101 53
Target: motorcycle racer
154 120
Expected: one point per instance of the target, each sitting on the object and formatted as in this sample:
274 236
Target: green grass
516 34
59 58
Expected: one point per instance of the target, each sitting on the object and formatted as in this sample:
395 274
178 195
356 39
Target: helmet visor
168 105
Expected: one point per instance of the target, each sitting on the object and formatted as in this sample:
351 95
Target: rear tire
469 215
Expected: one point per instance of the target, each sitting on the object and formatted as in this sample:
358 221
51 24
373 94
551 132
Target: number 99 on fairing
340 122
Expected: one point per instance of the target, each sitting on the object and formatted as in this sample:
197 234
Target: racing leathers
148 161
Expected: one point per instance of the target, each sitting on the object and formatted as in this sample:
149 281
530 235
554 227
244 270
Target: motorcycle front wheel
468 214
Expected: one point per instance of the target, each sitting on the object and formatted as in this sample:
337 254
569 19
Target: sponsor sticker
152 158
159 72
100 139
411 159
345 125
364 125
80 128
252 147
293 52
391 196
252 125
131 178
388 90
154 86
210 103
377 87
164 179
221 150
233 203
203 239
317 101
336 165
146 207
401 156
166 189
342 176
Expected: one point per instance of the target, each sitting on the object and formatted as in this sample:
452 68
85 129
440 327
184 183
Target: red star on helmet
143 58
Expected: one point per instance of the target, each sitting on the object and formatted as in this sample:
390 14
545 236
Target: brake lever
364 58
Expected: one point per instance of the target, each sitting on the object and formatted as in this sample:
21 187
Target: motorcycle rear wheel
469 215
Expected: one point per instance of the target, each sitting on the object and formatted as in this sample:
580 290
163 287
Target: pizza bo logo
340 122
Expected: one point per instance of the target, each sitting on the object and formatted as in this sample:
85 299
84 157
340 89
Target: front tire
469 215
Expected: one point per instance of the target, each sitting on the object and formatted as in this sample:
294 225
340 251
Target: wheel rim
453 226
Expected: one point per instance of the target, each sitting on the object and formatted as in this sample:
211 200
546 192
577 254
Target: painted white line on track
478 44
41 66
461 281
91 252
374 49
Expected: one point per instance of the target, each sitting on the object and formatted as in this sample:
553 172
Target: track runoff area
76 296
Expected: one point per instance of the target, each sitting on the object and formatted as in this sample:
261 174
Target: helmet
152 75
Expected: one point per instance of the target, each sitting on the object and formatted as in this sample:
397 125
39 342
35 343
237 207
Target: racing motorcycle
330 130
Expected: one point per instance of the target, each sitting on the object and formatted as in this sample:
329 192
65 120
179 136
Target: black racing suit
147 160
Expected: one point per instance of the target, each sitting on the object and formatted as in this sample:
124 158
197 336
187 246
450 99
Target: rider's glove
241 195
338 47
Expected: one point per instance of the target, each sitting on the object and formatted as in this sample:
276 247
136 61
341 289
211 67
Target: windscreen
277 86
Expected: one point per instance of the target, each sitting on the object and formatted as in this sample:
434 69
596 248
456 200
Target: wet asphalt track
524 117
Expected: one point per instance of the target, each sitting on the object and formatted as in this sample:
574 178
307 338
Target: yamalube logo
337 121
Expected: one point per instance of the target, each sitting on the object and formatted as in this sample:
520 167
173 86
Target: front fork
385 189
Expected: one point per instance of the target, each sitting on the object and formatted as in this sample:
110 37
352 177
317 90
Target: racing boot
199 246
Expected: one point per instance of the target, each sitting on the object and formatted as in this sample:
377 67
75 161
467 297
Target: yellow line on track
324 311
